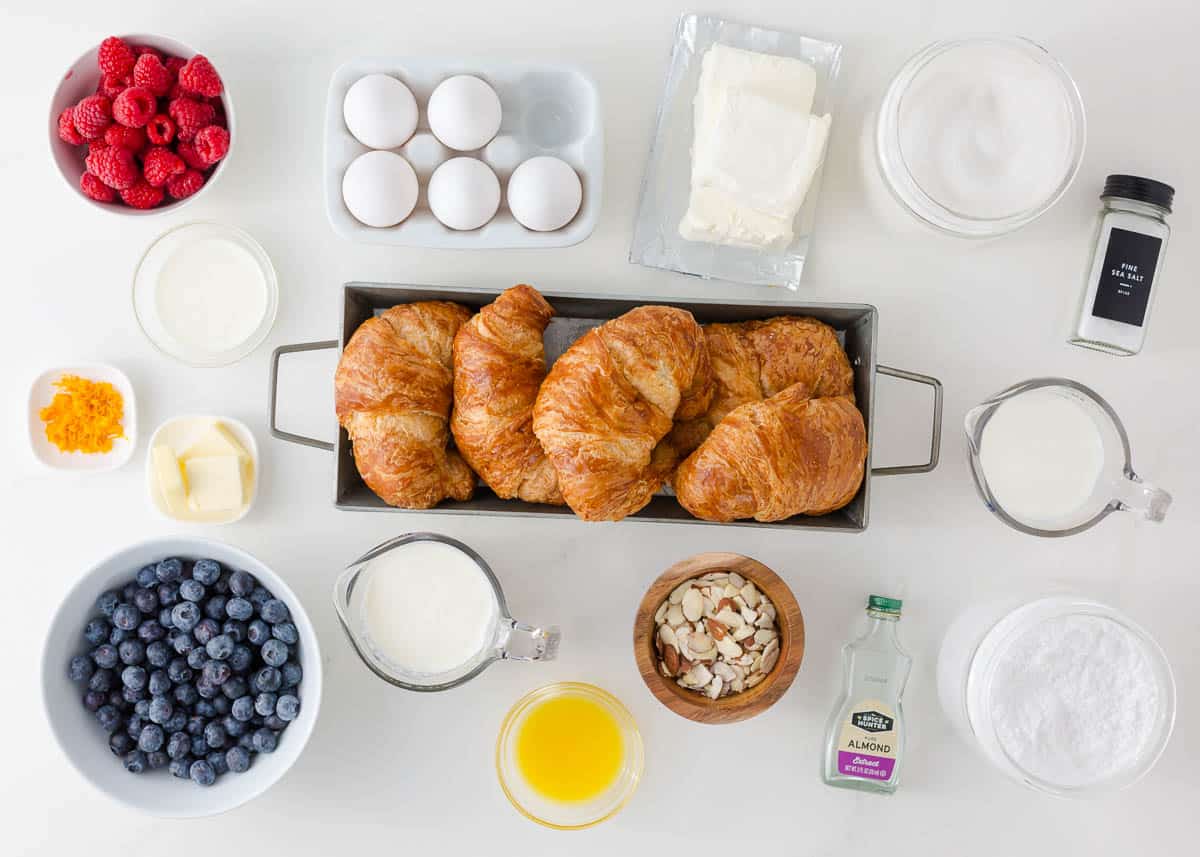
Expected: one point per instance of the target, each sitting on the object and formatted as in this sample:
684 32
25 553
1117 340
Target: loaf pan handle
276 431
935 445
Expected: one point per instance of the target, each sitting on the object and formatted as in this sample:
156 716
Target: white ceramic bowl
80 80
84 742
167 433
41 393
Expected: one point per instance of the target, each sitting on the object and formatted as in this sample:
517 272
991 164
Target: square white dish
547 110
175 432
666 186
41 393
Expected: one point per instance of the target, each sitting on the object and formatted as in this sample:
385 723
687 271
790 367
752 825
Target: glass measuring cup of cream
425 612
1050 457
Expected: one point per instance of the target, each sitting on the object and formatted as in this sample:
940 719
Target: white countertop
392 772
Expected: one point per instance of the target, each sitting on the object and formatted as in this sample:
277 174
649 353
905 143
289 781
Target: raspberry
199 76
142 195
151 74
174 64
142 50
95 189
113 165
91 116
161 164
112 85
160 130
133 139
190 116
190 156
183 186
115 57
66 129
134 107
211 144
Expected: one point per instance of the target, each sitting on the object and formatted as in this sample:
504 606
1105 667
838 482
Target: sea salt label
866 748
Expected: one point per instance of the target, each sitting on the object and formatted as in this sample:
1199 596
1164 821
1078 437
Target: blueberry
237 760
132 695
267 680
115 699
96 631
126 617
157 759
206 571
159 684
150 631
214 735
199 746
206 689
216 673
233 727
135 761
236 686
178 745
179 767
239 608
107 603
142 708
202 773
259 597
191 590
168 594
80 668
158 654
215 607
146 576
185 615
93 699
258 632
241 658
243 708
204 709
275 723
166 619
275 611
133 727
131 652
103 680
242 583
205 630
146 600
178 670
286 632
220 704
151 739
287 707
292 673
161 710
221 587
197 657
220 647
176 722
195 725
133 677
264 704
265 741
120 743
185 694
182 642
169 570
217 760
109 717
274 653
235 630
128 589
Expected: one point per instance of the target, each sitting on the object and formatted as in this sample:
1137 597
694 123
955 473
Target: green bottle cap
880 604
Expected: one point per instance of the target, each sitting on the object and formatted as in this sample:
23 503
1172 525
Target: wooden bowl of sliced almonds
718 638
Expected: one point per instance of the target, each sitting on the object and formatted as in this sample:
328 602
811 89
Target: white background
391 772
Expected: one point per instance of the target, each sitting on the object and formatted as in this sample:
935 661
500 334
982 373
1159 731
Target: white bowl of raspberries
141 124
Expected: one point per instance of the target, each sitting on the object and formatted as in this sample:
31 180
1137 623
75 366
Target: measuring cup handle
1135 495
535 644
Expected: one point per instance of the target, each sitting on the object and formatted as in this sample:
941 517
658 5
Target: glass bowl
568 815
906 188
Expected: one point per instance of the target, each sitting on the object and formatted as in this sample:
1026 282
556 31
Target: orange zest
84 416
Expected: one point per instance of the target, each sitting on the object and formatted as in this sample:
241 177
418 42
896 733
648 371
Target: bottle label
867 746
1123 292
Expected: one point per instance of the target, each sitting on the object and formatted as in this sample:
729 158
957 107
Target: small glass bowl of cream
979 136
205 294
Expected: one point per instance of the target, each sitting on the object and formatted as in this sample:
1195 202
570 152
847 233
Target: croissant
393 393
754 360
499 364
783 456
609 400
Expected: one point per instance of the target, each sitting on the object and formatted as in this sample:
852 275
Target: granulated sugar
1075 700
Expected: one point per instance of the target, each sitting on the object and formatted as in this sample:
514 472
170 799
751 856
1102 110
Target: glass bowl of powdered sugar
1070 697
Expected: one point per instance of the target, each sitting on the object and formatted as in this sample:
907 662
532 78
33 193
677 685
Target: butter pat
215 440
170 480
214 483
755 150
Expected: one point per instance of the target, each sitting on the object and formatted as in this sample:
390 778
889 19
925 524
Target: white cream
428 607
210 295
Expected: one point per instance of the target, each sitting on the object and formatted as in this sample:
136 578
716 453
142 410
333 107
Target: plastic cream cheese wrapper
202 469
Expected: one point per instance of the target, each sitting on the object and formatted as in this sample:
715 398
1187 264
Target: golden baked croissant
783 456
754 360
499 364
393 392
609 400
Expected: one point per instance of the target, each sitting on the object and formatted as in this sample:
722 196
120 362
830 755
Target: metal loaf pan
855 323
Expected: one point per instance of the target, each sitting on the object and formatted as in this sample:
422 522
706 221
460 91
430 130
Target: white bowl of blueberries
181 677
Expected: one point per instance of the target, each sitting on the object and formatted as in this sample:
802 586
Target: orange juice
569 749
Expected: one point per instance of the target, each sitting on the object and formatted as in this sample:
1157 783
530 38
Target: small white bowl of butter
202 469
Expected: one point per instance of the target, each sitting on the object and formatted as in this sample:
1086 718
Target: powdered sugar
1075 700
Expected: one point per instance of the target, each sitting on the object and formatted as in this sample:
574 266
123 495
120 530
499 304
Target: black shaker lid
1140 190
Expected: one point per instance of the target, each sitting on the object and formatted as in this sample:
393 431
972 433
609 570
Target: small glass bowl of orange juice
569 755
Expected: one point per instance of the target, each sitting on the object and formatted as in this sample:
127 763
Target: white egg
380 111
464 193
544 194
464 112
380 188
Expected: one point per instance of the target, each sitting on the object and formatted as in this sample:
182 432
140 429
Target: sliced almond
746 661
710 608
671 658
667 636
763 621
736 579
729 591
737 685
662 668
724 604
767 609
749 616
749 593
677 593
727 647
740 602
692 604
675 616
699 641
743 632
715 629
730 619
714 687
661 613
754 679
699 675
765 635
724 670
770 656
754 667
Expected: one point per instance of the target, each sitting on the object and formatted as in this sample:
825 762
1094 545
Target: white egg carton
547 109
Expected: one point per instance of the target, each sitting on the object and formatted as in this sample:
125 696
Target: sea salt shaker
1130 244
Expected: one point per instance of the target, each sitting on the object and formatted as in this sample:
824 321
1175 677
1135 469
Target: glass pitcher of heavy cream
1051 458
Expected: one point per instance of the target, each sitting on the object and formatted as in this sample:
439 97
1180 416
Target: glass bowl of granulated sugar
1070 697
